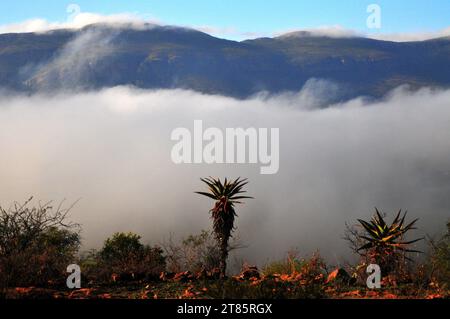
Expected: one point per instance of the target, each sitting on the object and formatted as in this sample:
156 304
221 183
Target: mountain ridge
165 57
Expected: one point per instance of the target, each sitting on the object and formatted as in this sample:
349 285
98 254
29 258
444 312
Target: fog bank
112 150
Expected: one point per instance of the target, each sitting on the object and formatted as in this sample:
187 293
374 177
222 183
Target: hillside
169 57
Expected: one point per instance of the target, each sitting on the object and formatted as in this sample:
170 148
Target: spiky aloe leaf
369 228
207 195
380 234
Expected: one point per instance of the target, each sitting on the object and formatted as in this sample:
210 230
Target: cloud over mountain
78 20
111 148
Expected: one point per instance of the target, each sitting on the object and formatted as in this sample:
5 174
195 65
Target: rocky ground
250 284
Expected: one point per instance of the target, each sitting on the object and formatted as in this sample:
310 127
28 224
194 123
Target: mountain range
101 55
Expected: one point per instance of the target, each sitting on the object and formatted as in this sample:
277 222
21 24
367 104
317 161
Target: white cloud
76 22
338 31
412 36
335 31
130 20
112 148
137 21
70 68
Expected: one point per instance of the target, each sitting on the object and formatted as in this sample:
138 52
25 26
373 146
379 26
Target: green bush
288 265
124 255
36 245
121 247
440 259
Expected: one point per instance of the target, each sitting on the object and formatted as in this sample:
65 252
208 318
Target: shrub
195 253
291 264
89 263
36 245
120 248
124 255
440 259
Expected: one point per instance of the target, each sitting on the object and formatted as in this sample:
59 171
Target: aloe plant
385 241
225 194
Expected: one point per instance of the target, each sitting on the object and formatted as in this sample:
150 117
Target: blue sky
258 16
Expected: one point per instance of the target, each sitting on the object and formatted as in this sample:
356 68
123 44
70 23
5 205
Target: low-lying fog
112 150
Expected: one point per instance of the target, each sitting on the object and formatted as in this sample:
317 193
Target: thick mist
112 150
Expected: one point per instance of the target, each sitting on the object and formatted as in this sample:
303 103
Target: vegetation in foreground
38 243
